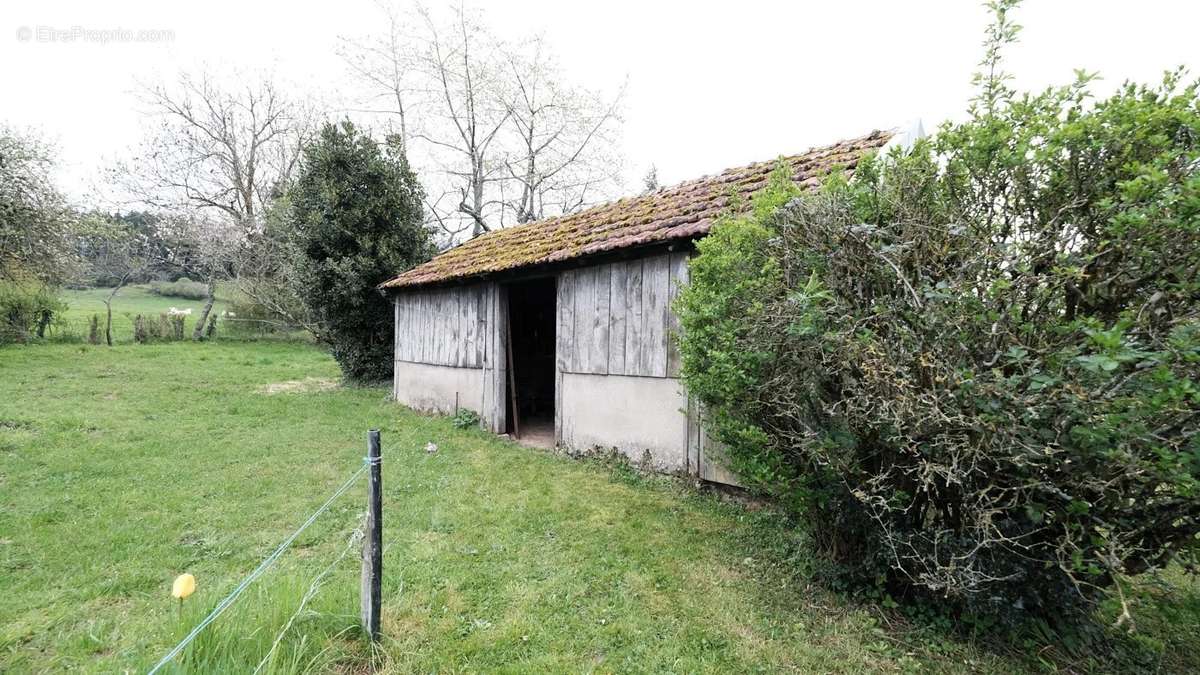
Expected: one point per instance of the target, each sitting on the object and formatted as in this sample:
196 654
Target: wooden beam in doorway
512 381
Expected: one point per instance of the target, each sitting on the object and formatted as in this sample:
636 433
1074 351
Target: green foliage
358 220
977 366
465 419
126 248
180 288
36 223
173 324
27 309
728 284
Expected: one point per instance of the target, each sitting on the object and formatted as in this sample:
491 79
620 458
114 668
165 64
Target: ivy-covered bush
976 366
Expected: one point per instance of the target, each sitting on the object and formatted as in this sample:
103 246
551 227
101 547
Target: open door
531 357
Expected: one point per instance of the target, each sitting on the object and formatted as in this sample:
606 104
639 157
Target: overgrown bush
977 366
358 220
180 288
27 309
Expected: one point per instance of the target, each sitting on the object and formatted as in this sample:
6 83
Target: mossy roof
684 211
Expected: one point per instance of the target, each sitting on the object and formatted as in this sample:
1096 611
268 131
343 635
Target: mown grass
122 467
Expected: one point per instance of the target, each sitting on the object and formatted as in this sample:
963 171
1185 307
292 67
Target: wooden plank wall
443 326
616 318
495 365
461 326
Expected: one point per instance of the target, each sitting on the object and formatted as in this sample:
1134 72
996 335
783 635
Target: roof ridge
684 210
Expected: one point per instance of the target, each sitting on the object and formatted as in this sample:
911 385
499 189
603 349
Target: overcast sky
711 85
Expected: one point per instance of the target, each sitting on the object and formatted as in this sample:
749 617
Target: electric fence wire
315 586
258 571
269 560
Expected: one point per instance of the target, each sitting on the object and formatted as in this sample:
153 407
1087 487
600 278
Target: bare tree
560 136
496 135
215 148
468 110
650 180
264 272
386 63
118 252
220 153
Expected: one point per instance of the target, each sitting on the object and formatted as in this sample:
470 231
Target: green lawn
128 303
122 467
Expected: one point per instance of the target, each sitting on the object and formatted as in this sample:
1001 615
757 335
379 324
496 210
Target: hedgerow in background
180 288
358 219
976 366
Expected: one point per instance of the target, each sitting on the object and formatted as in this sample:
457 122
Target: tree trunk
43 322
198 332
108 307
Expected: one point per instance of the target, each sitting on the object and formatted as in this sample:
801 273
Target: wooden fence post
372 556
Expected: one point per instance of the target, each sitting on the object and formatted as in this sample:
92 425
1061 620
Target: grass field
128 303
122 467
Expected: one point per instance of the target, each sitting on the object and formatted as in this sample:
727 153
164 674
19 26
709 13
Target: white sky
711 85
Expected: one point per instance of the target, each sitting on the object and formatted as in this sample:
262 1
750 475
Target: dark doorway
531 324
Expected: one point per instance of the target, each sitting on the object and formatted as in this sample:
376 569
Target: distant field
122 467
129 302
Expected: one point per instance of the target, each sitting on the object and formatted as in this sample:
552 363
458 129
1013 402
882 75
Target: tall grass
322 637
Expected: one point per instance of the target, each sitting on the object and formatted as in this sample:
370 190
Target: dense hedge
976 366
180 288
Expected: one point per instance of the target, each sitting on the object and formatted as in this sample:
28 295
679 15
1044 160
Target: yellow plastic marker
185 585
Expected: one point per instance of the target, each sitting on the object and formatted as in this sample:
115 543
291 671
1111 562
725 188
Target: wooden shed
559 332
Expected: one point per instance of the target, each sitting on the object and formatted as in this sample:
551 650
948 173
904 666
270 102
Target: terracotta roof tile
684 211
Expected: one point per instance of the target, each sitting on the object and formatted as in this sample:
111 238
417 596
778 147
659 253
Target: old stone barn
559 332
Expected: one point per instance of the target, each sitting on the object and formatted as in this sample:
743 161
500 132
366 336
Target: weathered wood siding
495 366
443 326
616 318
612 319
460 327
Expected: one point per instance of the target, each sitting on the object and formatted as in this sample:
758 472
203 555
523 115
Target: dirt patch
305 386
